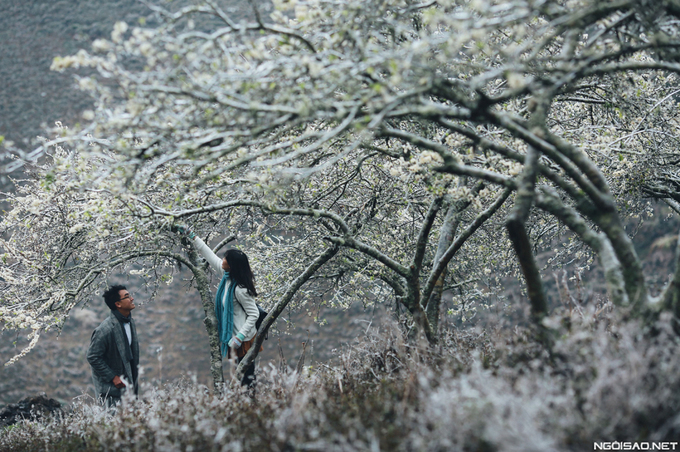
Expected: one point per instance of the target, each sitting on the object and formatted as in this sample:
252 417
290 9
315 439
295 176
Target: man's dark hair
112 295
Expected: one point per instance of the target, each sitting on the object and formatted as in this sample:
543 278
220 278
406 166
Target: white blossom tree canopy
63 237
369 125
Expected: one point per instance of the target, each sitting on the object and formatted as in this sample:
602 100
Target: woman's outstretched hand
185 230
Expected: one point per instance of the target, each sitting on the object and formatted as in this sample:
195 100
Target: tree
348 212
566 104
60 243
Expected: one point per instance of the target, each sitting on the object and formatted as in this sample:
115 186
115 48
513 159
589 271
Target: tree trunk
670 298
413 299
210 320
412 303
447 233
636 287
520 241
520 238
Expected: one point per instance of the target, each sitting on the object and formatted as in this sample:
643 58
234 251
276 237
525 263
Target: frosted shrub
602 380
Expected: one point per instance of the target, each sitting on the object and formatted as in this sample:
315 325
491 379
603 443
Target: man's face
125 301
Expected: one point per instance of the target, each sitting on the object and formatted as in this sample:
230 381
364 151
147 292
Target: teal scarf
225 313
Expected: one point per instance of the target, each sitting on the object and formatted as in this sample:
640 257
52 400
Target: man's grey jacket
109 356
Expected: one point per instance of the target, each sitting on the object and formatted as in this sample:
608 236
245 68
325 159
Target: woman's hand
236 341
185 230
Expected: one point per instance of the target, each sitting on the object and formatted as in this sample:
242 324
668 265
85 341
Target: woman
235 305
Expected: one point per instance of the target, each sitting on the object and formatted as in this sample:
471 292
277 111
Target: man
114 350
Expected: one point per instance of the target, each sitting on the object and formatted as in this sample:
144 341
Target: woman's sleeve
248 304
205 251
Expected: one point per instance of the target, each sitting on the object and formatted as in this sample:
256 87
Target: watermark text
630 445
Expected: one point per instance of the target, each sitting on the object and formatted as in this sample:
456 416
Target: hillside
32 33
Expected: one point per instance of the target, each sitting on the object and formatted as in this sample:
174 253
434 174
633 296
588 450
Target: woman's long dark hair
239 270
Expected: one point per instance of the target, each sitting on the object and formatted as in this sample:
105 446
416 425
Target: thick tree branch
423 237
381 257
520 238
548 200
248 359
451 251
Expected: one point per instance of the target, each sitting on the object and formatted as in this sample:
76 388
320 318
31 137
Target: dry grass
605 379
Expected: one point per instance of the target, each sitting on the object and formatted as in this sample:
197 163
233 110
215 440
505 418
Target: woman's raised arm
205 251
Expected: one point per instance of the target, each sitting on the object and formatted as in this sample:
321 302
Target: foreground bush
604 380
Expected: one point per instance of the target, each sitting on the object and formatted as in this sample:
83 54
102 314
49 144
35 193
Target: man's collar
121 317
